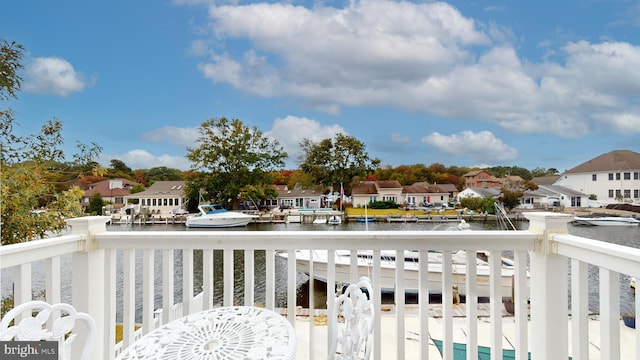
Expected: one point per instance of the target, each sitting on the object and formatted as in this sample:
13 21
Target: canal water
629 236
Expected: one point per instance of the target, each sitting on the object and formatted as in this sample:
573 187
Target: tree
119 169
162 173
232 162
95 204
342 160
36 193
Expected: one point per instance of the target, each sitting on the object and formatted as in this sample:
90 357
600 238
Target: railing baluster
167 286
471 299
377 301
207 279
270 296
228 278
331 295
187 281
400 304
447 305
128 296
495 288
110 268
423 303
148 323
579 309
52 287
249 277
609 314
291 286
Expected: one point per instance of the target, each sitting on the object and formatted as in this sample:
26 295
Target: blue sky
463 83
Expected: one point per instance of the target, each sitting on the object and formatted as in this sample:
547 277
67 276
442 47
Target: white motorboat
215 215
606 220
411 267
334 220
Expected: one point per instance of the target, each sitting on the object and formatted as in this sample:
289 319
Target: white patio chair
38 315
354 333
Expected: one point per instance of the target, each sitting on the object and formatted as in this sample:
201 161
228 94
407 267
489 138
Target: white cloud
174 135
291 130
424 57
482 146
399 139
142 159
54 76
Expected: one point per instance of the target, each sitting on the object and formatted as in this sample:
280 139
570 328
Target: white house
613 177
478 192
548 197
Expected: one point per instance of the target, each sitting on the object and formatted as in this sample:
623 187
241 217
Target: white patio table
239 332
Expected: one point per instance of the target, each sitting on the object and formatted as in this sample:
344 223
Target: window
372 199
617 176
627 194
594 177
575 201
618 193
627 176
610 176
636 194
636 175
610 193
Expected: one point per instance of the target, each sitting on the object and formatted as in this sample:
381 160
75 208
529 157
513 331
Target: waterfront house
161 198
424 194
370 191
613 177
481 179
553 197
302 199
113 191
481 192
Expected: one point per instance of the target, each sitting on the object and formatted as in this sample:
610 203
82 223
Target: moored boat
215 215
411 266
598 220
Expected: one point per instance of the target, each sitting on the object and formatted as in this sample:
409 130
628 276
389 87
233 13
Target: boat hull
411 278
607 221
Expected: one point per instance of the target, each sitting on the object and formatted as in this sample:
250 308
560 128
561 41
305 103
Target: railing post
87 280
549 288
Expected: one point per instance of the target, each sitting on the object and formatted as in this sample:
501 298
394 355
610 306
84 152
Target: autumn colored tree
34 196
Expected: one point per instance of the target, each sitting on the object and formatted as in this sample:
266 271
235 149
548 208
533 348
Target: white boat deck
412 333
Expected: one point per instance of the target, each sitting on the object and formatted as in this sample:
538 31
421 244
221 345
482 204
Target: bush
383 205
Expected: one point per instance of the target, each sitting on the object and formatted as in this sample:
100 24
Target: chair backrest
39 320
354 336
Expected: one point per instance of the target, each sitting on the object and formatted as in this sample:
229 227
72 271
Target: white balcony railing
132 277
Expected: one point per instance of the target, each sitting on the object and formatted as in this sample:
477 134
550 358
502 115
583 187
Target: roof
386 184
545 180
485 192
298 193
476 172
103 187
162 189
612 161
364 188
423 188
448 187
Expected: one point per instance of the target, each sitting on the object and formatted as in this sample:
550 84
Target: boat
603 220
411 267
365 219
216 216
334 220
